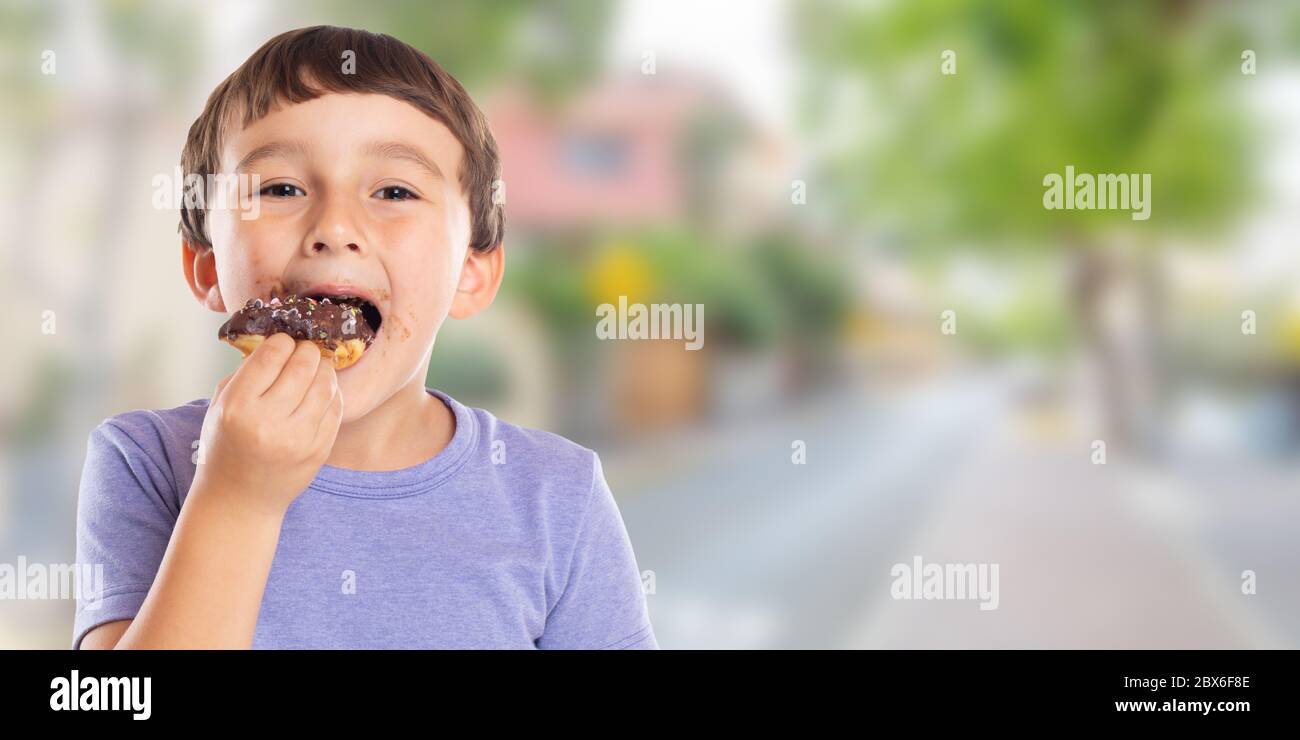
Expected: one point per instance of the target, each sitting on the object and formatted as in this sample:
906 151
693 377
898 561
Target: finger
322 390
262 367
288 390
328 431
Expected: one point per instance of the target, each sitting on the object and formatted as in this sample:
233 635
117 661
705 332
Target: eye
282 190
394 192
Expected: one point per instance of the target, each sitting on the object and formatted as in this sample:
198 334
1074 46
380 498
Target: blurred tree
1108 87
655 265
812 295
549 46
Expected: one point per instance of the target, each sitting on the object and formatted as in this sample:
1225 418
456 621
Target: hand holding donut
270 425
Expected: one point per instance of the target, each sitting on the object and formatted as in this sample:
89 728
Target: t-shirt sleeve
603 605
124 522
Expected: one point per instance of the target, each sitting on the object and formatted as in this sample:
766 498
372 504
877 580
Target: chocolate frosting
323 321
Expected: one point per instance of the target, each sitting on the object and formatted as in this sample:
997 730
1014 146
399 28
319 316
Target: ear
200 266
480 278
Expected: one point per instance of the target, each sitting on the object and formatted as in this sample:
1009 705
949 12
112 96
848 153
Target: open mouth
369 312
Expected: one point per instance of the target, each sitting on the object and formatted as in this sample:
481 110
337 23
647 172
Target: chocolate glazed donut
338 328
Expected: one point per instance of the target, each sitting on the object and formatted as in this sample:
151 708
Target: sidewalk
1080 565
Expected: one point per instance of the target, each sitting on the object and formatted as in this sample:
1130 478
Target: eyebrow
398 150
287 149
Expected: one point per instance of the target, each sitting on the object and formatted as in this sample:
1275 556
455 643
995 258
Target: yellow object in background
1288 335
620 270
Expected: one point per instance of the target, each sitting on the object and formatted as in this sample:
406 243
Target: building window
594 154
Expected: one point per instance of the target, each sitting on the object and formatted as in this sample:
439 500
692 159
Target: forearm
209 587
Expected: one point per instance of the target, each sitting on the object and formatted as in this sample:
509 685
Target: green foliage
810 286
155 37
470 371
553 282
1107 87
739 307
753 295
1036 320
550 45
38 417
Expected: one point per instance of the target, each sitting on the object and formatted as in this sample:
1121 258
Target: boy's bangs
341 63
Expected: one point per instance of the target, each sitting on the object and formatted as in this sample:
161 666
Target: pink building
626 152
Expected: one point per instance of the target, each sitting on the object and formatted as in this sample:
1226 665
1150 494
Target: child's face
360 191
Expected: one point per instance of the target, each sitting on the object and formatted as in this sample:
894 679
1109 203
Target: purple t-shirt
508 538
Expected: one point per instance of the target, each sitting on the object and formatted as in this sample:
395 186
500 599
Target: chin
363 390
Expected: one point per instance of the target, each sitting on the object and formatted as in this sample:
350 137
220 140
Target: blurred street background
809 173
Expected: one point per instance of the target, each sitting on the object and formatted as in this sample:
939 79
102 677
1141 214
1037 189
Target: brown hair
304 64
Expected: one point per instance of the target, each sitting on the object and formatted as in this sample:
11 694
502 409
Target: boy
308 507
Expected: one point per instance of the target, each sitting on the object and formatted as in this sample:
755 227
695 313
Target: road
750 550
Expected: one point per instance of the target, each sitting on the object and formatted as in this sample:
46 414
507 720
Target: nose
336 228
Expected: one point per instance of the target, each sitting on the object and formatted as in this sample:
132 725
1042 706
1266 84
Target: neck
410 427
